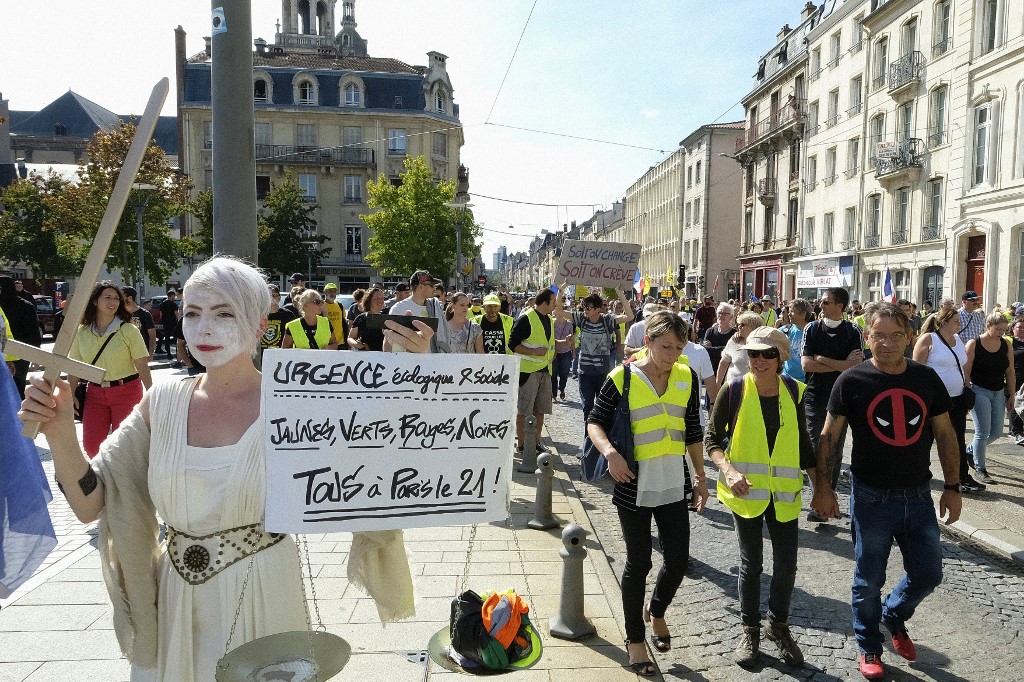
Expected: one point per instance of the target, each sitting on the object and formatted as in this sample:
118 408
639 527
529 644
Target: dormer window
305 92
439 102
259 90
353 95
304 89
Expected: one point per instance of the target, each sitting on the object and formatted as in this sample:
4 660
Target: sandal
642 668
662 643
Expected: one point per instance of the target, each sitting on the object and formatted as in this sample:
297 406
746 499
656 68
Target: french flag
888 290
638 283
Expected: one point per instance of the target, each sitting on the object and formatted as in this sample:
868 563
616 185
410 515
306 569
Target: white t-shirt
699 359
409 305
635 335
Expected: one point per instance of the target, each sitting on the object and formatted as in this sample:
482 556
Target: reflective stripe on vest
537 339
774 476
658 422
298 332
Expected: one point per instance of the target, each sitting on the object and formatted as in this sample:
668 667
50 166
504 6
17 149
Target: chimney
261 46
209 45
180 58
808 10
783 32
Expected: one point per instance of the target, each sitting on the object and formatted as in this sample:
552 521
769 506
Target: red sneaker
903 645
871 666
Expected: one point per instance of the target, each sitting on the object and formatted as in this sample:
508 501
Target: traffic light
681 280
700 283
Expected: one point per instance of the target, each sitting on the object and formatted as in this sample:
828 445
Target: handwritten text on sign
598 264
377 441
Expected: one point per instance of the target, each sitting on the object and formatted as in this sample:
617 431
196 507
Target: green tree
26 233
286 229
79 209
412 228
202 208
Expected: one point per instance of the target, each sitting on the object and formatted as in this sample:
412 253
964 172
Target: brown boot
747 650
778 632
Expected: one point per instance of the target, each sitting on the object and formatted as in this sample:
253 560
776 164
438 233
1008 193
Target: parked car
44 312
154 308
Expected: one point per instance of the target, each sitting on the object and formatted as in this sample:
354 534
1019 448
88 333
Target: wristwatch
952 487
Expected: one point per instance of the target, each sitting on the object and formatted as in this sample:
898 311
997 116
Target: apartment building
654 216
770 153
831 184
334 118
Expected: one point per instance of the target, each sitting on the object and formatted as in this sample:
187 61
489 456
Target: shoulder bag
967 396
82 385
593 465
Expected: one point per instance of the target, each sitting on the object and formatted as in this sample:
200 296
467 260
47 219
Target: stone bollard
530 436
542 518
570 623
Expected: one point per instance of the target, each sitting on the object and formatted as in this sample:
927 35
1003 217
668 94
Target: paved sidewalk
58 626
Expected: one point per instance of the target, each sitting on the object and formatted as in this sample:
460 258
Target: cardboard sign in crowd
598 264
380 441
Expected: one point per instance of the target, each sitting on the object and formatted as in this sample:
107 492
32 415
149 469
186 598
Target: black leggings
674 534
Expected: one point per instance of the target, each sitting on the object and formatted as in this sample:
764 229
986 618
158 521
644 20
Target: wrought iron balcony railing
901 237
931 233
870 241
942 47
793 112
854 110
312 156
908 155
936 137
906 70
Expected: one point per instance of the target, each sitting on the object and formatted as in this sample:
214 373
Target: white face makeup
212 328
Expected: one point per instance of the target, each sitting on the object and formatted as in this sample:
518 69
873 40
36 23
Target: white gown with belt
200 491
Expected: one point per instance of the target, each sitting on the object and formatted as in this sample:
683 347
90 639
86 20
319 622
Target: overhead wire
512 59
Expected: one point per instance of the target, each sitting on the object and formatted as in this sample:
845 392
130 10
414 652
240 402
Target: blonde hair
242 283
305 297
751 318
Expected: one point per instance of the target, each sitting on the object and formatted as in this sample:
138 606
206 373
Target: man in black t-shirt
896 409
168 321
277 318
141 318
831 346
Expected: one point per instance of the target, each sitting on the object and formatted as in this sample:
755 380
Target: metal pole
458 250
140 210
234 155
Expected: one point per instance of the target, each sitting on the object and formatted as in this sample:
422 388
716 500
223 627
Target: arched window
353 95
305 89
439 101
259 90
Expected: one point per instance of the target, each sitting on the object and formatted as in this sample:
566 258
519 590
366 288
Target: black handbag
82 385
593 465
967 397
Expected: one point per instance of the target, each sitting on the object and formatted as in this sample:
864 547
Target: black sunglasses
767 353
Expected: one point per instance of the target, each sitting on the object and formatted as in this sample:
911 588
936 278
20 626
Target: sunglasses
767 353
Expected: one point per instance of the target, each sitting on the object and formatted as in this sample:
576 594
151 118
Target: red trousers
105 409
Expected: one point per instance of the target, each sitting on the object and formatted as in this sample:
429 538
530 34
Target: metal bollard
542 518
570 623
530 436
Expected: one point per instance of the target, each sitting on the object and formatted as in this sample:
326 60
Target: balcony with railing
847 244
786 122
931 233
303 41
312 156
832 120
766 191
807 250
878 82
937 137
900 237
905 72
854 110
830 180
905 164
850 172
942 47
871 241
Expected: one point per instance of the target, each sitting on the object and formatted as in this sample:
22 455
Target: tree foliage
78 209
202 208
283 229
412 229
27 231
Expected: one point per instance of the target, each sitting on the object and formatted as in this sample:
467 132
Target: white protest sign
598 264
379 441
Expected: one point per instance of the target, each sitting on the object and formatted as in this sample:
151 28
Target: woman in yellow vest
665 422
313 329
759 443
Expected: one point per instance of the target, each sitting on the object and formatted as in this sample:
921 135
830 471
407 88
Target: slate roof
82 118
317 62
79 116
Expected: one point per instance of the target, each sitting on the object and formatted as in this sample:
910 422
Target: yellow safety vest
532 363
506 323
336 316
7 326
298 332
774 476
658 422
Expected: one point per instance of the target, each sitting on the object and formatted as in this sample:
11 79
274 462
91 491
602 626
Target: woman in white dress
192 453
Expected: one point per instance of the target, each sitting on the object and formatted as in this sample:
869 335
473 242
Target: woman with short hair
734 358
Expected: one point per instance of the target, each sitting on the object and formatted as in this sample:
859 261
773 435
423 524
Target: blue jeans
590 384
560 372
988 413
879 516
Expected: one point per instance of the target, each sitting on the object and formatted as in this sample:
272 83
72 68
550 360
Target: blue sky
643 73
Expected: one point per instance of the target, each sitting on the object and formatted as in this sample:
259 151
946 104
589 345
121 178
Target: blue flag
26 532
754 299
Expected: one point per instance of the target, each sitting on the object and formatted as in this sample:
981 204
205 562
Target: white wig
241 283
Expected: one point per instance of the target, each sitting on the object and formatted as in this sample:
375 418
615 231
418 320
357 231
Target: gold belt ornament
197 558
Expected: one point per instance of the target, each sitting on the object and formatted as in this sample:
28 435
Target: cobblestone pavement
971 628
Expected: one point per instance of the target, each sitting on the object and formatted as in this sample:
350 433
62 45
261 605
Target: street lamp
140 199
462 206
310 250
